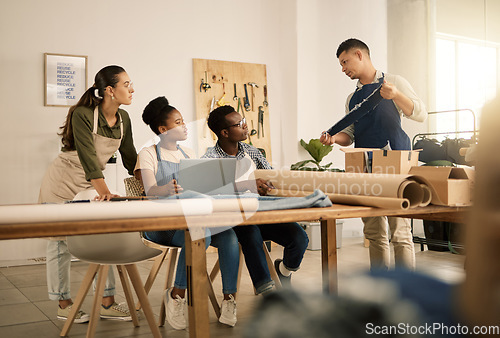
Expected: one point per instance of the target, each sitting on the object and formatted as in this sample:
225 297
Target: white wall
155 41
297 41
322 87
476 19
410 49
321 26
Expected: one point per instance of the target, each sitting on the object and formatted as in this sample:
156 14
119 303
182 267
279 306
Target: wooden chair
123 250
169 254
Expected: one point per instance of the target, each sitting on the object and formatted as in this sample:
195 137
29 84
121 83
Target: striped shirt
243 148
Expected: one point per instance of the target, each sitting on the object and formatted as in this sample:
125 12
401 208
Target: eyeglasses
129 85
239 124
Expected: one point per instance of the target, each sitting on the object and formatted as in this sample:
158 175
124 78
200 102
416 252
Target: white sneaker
175 310
228 311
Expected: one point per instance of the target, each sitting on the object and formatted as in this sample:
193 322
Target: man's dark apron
381 126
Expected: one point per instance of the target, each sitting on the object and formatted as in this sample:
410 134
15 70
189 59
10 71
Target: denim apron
167 171
381 126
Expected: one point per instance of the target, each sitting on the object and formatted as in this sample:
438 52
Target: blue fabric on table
316 199
266 203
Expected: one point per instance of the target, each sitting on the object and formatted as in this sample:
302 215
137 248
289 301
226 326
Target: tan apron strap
96 116
121 126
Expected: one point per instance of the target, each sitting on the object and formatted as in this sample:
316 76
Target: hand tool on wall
254 85
261 122
204 84
243 113
265 97
239 106
235 97
221 101
246 103
212 106
253 131
206 132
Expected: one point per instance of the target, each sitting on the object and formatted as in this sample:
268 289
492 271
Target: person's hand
105 197
263 186
173 188
327 139
388 91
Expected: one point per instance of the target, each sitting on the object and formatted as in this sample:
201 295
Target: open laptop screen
210 176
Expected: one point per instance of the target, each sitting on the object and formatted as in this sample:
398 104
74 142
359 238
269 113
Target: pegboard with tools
241 85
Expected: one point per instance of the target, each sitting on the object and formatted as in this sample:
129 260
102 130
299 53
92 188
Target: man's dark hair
350 44
217 119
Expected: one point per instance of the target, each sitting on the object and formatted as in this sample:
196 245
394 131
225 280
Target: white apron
65 177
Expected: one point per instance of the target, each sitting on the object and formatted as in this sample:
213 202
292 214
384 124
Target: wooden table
195 250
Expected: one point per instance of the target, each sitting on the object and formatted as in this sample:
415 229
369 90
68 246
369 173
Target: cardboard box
378 161
450 186
355 159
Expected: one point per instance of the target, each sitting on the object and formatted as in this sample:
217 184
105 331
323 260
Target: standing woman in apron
95 128
158 166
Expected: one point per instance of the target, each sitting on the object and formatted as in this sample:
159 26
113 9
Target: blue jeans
229 257
289 235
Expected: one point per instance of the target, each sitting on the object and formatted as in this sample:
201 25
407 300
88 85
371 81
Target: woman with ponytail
95 128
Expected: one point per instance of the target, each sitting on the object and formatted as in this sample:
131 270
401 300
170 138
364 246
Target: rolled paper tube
12 214
368 201
412 191
235 205
427 195
378 185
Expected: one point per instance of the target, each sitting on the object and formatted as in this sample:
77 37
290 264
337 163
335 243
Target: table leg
329 255
196 265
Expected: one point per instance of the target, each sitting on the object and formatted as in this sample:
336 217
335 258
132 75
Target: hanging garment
447 150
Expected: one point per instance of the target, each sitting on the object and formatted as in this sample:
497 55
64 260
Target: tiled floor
26 311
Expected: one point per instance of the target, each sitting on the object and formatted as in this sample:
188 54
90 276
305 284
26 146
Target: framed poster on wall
65 79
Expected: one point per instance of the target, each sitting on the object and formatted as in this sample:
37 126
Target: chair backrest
120 248
133 187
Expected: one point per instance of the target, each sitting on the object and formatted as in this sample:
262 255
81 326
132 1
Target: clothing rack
474 132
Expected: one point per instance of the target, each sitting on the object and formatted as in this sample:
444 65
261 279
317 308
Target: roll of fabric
378 185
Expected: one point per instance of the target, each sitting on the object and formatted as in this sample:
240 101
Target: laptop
211 176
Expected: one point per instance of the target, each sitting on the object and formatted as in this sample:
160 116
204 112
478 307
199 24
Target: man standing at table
380 128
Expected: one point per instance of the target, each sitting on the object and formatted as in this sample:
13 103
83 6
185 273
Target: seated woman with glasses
158 165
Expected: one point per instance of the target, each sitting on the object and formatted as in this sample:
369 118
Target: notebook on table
211 176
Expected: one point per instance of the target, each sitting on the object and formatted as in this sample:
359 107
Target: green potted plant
318 151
